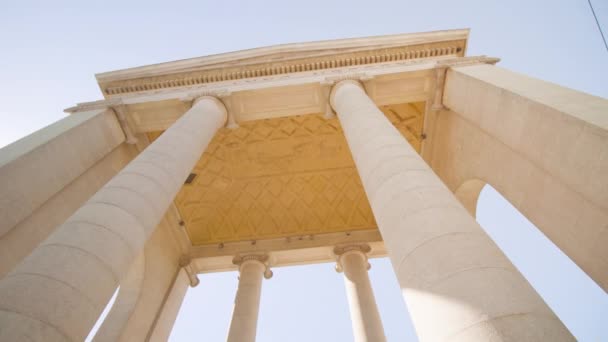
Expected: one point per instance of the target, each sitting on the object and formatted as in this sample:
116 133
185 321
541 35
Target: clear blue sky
51 50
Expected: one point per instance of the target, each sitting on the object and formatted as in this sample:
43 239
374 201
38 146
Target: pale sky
50 51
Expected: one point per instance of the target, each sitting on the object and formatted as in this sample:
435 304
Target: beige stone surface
40 165
544 147
284 59
128 296
364 315
66 282
453 277
170 308
22 238
468 194
279 181
243 326
161 267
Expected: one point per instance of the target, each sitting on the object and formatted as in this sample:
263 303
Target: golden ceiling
281 177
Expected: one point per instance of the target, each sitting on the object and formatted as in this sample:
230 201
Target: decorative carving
261 258
282 177
280 68
186 263
340 251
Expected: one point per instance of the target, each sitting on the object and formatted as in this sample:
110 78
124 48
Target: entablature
283 59
285 95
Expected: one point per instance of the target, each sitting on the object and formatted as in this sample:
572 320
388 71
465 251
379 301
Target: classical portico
334 151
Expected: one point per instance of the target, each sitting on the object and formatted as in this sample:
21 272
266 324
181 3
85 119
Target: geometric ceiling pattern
282 177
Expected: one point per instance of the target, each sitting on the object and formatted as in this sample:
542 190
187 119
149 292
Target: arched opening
575 298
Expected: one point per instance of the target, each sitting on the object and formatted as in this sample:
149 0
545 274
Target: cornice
220 89
284 59
284 52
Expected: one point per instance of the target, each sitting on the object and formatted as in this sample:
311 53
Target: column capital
342 250
262 259
340 84
217 97
185 262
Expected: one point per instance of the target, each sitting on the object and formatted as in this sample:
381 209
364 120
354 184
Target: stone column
247 301
457 284
58 291
364 315
162 327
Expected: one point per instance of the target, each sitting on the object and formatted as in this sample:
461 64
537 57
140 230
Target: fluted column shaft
457 284
364 315
243 325
58 291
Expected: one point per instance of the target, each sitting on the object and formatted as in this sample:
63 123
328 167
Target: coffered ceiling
282 177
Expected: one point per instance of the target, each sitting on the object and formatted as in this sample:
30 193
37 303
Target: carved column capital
340 251
221 97
263 259
358 81
186 263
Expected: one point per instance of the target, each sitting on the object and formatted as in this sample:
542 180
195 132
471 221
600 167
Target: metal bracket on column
186 263
262 258
341 250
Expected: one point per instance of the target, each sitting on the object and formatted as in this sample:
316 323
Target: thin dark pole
598 24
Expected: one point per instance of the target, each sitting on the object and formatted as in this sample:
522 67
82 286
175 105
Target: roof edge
257 54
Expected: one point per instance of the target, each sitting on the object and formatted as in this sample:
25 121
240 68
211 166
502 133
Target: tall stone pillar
58 291
457 284
364 315
247 301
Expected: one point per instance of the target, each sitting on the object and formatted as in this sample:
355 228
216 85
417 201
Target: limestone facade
305 153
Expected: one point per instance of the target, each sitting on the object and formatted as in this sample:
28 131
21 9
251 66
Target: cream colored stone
170 308
31 231
40 165
544 147
160 270
364 315
467 290
243 325
286 187
124 305
73 288
468 193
